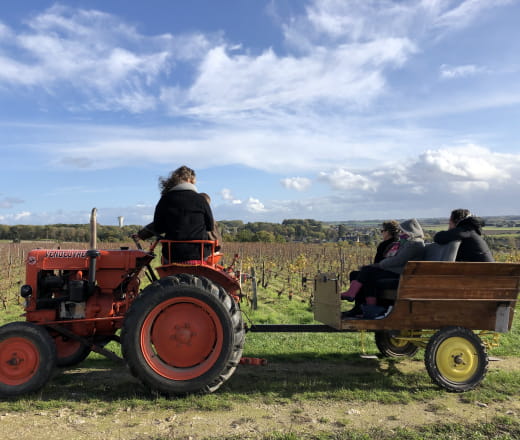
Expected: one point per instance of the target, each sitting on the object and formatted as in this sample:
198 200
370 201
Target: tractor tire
390 346
27 358
456 359
182 335
69 352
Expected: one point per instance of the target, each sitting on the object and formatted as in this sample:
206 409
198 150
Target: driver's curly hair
180 175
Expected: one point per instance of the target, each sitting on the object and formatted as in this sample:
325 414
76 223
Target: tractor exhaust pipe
93 229
92 253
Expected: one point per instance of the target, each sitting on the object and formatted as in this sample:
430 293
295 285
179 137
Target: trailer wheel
183 334
456 359
69 352
27 358
389 346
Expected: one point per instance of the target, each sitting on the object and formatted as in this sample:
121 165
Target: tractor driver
182 214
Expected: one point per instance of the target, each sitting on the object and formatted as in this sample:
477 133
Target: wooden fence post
254 300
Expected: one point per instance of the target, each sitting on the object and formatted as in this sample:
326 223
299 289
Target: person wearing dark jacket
390 232
387 248
182 214
467 228
409 247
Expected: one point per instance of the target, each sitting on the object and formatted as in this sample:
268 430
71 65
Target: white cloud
471 162
296 183
348 74
353 21
297 149
428 184
96 55
329 21
22 215
228 196
342 179
17 217
255 206
468 171
342 57
455 15
450 72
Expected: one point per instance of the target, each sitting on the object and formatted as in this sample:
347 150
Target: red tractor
183 333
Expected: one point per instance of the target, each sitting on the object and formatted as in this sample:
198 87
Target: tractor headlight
25 291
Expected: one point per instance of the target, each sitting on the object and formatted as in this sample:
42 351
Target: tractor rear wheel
456 359
27 358
391 346
183 334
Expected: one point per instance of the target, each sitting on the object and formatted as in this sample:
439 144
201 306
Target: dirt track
250 419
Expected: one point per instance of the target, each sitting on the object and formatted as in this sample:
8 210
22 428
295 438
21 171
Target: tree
245 235
265 236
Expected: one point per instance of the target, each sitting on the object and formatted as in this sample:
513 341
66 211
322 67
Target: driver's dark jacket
183 215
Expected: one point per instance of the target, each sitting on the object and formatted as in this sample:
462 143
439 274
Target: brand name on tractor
66 254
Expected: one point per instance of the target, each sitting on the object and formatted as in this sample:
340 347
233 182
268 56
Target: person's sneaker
385 314
372 311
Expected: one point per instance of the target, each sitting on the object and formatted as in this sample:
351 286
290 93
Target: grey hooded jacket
411 249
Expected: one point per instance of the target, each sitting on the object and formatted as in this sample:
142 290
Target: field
314 386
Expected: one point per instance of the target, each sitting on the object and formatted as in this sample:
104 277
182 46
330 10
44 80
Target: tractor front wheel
456 359
183 334
27 358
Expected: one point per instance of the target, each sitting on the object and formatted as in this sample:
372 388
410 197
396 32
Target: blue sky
331 109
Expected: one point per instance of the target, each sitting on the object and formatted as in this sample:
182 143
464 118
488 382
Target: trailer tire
183 334
27 358
456 359
389 346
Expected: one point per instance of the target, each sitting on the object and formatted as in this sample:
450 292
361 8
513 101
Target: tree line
289 230
63 232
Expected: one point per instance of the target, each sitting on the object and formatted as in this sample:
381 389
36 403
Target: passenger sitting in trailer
466 228
182 214
409 247
386 248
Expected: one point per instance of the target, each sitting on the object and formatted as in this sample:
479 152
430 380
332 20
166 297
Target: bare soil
252 419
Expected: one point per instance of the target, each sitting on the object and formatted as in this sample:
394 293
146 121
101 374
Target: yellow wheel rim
398 343
457 359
